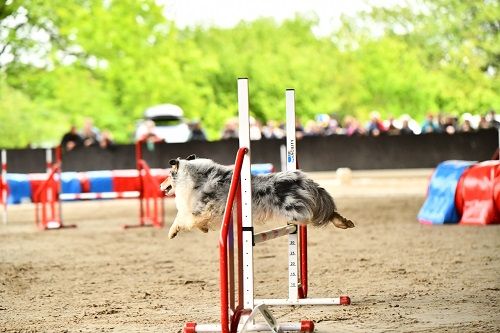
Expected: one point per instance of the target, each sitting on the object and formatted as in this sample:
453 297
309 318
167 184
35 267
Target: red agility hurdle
48 214
48 197
238 305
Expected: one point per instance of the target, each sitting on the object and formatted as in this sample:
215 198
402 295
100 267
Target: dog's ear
191 157
174 163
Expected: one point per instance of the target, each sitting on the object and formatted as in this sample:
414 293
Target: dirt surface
400 275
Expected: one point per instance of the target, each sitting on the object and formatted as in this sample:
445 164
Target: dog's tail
325 212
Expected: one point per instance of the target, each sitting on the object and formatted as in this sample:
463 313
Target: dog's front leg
174 230
181 222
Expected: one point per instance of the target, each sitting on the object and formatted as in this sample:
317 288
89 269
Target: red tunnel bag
478 194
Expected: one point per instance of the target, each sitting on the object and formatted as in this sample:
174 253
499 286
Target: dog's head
168 185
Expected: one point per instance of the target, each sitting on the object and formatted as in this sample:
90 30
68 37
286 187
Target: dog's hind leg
202 221
203 228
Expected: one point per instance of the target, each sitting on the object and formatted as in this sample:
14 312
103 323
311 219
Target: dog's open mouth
169 187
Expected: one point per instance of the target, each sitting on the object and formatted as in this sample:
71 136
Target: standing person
429 125
405 127
466 127
483 123
450 125
149 136
71 139
90 134
391 127
375 126
230 129
352 126
197 133
299 129
255 129
107 141
491 117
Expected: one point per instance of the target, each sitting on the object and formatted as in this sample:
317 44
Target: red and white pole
4 185
246 190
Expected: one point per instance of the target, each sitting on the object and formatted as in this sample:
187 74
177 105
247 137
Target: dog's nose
164 186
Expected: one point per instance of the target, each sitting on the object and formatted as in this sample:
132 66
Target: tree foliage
66 60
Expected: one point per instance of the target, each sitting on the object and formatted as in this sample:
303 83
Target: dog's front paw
174 230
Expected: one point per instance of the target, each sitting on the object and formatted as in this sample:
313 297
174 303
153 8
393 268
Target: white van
169 123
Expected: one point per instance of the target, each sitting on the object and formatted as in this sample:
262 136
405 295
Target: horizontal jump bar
303 301
274 233
99 195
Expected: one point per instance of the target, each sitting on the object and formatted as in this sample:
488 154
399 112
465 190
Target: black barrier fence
314 153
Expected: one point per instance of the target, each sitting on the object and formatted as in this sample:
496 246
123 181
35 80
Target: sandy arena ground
400 275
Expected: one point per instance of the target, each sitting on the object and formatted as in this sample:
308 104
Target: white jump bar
274 233
100 195
300 301
257 327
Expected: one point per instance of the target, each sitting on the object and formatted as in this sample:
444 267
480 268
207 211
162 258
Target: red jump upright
151 209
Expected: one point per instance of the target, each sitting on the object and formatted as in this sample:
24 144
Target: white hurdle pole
4 185
246 194
291 165
99 195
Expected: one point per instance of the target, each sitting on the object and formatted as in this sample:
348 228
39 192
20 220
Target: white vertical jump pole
291 165
4 185
246 194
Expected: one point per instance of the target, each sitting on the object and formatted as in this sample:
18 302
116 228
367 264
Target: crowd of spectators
326 125
322 125
88 136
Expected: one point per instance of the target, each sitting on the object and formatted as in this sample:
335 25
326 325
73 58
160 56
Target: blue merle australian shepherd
201 187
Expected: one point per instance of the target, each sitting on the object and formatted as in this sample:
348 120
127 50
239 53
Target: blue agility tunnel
439 206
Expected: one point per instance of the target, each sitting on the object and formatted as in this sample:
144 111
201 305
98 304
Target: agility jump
49 196
238 304
49 215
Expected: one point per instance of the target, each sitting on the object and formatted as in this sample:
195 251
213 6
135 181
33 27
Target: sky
227 13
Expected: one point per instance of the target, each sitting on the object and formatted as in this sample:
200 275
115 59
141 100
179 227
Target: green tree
65 60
